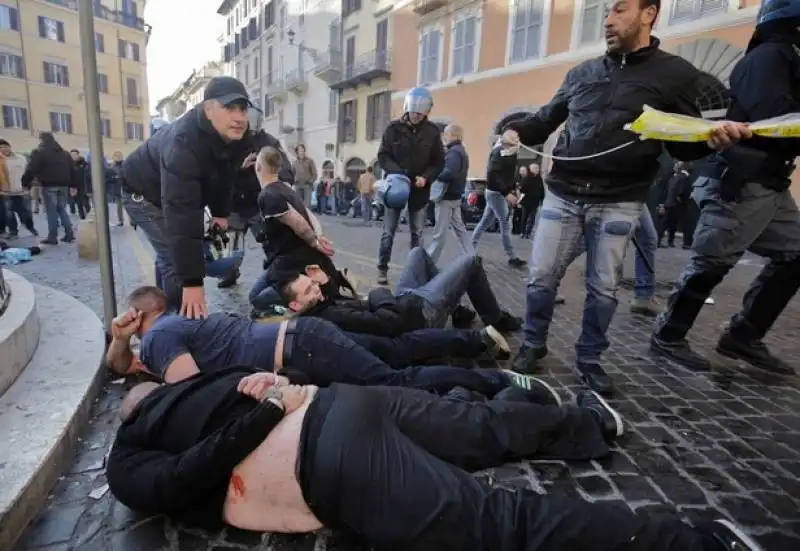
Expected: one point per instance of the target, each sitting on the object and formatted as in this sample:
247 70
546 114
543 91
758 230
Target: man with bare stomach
174 347
388 466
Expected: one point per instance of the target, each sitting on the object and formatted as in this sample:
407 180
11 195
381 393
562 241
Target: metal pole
93 125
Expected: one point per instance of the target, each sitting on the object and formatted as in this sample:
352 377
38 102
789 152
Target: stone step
19 330
43 411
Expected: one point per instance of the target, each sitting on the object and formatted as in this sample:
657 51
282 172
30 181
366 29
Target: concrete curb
42 413
19 330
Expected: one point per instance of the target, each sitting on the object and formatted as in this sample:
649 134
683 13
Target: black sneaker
383 277
526 360
463 317
517 263
495 343
508 323
540 392
730 536
754 353
49 241
679 352
593 376
229 280
610 421
68 239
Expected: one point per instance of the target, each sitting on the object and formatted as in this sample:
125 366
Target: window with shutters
132 92
256 67
689 10
593 21
430 55
526 29
333 105
61 122
9 18
301 116
134 131
378 112
348 120
105 127
55 73
15 117
51 29
102 83
464 41
12 65
100 43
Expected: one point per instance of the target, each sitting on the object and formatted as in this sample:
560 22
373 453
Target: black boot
463 317
527 359
595 377
679 352
754 352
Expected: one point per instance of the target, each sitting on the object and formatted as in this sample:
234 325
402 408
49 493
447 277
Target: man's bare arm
315 224
119 356
299 226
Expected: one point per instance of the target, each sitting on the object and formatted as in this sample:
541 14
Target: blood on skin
238 485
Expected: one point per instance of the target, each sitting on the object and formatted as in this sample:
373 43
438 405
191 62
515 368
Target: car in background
473 203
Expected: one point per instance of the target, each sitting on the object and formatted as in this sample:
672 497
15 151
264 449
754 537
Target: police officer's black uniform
746 205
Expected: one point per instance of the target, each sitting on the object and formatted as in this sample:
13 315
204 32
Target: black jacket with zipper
501 171
456 169
51 165
181 169
597 99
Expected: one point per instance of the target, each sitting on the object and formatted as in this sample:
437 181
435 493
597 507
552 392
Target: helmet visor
417 104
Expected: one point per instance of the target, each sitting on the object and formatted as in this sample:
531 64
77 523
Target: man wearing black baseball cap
170 179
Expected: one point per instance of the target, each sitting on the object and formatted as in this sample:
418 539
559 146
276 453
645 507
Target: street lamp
312 53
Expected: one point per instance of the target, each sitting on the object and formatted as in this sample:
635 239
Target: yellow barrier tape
653 124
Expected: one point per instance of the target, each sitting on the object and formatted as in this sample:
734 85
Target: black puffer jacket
246 186
456 169
597 98
51 165
182 168
501 171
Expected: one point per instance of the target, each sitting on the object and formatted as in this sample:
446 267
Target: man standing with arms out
411 146
448 207
746 205
365 185
171 178
305 174
598 200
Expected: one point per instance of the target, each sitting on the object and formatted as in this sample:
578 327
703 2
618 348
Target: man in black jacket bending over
597 199
411 146
171 178
386 466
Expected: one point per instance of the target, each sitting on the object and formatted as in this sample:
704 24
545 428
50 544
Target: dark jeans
79 202
16 204
442 290
55 205
528 219
389 466
263 295
325 354
422 345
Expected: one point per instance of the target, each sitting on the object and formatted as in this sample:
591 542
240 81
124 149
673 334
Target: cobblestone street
702 447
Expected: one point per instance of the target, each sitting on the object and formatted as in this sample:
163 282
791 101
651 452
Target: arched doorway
354 168
328 170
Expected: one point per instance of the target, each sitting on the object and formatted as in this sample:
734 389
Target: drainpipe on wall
31 126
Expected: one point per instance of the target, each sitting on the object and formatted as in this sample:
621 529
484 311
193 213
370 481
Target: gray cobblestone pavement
699 447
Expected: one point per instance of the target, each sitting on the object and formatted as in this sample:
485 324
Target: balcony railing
277 90
328 66
102 12
296 81
366 68
423 7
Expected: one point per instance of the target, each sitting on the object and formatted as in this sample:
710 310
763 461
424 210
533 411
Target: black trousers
324 355
389 466
529 218
422 345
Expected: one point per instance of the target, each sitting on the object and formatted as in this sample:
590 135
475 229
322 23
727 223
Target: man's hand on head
125 325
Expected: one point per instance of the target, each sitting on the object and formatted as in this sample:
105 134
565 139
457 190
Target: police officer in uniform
746 205
244 208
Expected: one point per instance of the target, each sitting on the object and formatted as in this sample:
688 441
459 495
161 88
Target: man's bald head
148 299
134 396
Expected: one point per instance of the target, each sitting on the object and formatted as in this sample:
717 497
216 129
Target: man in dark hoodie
596 197
448 206
52 166
175 174
411 146
79 199
746 205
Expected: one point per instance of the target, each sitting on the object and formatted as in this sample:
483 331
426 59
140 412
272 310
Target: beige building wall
124 108
503 81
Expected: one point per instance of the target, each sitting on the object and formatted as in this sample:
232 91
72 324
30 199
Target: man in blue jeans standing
601 175
644 301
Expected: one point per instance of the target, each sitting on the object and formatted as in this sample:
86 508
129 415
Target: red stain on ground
238 485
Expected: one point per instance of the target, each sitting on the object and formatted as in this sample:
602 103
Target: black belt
288 342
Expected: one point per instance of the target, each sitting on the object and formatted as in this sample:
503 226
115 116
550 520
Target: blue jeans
391 219
150 219
564 230
496 207
647 237
18 204
264 296
55 205
366 206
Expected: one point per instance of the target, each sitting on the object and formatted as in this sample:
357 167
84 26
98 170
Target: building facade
41 73
189 93
486 61
274 48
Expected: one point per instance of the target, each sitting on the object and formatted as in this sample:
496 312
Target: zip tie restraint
581 158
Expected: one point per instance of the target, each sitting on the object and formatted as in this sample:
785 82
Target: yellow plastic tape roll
653 124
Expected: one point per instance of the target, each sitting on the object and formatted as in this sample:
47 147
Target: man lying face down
388 466
174 347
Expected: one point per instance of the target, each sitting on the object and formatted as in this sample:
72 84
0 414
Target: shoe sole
670 357
499 341
736 531
617 417
518 379
732 359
